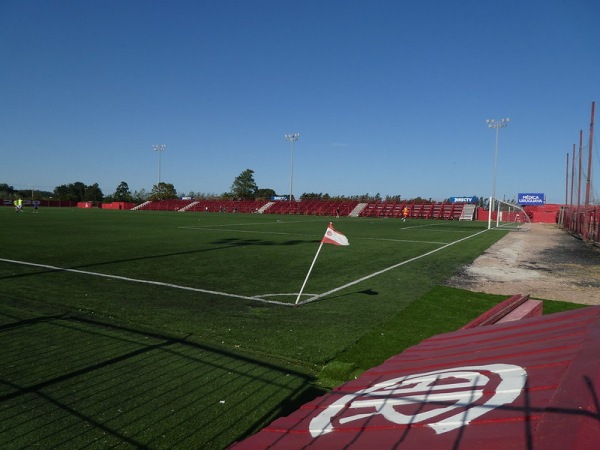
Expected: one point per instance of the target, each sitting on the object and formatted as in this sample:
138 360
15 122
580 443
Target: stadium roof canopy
528 384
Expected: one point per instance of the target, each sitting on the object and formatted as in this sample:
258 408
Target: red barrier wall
118 205
543 213
537 214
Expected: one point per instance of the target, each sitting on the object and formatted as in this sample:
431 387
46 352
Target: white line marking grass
257 298
379 272
136 280
404 240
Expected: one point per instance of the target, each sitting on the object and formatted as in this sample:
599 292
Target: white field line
374 274
136 280
420 226
258 298
404 240
433 225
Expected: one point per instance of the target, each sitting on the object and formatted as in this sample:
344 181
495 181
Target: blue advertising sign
464 199
275 198
531 199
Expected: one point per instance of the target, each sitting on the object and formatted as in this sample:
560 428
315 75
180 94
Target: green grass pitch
178 330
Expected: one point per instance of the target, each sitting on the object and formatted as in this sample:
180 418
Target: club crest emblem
442 399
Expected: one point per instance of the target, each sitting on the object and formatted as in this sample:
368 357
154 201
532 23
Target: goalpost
508 216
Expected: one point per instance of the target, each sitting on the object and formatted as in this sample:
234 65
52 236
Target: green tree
78 192
122 193
73 192
93 193
29 194
311 196
6 191
244 185
62 192
163 191
140 196
265 193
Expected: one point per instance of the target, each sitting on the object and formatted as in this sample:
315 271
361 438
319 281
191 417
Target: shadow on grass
223 244
69 381
369 292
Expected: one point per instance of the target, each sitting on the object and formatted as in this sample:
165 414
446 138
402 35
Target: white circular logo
443 399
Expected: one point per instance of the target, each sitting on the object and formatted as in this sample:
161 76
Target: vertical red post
567 184
572 176
586 218
578 229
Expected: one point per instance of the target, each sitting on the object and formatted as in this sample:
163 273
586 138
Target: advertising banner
532 199
279 198
464 199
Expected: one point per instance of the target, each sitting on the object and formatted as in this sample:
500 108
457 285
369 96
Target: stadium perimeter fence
582 221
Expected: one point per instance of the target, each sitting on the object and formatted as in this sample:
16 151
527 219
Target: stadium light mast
497 124
159 148
292 138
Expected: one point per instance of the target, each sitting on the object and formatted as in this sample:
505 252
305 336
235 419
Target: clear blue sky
389 97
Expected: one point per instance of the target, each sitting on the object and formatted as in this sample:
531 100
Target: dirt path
544 262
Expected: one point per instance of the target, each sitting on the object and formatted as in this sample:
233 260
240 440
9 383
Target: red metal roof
529 384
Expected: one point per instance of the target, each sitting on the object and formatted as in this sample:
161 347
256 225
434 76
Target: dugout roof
529 384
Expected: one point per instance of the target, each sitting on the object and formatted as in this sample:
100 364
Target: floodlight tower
497 124
292 138
159 148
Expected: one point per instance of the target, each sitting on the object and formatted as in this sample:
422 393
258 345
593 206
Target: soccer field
178 330
227 277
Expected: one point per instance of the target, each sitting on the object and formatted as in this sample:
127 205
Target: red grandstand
584 222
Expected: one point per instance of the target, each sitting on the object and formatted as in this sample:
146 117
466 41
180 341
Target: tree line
244 187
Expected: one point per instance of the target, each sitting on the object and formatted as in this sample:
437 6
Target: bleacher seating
424 210
165 205
313 207
230 206
242 206
446 211
416 210
380 209
383 209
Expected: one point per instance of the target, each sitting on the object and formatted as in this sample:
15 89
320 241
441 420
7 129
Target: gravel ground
545 262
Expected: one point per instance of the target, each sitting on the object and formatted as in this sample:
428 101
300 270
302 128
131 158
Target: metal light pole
292 138
159 148
497 124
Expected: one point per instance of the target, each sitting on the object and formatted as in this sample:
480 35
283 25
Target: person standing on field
404 214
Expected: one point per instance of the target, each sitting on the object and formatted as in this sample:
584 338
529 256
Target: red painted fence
584 222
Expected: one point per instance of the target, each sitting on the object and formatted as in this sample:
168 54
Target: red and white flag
334 237
331 237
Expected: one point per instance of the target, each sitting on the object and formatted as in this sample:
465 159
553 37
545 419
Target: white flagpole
308 274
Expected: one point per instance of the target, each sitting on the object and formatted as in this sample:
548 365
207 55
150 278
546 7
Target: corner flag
334 237
331 237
